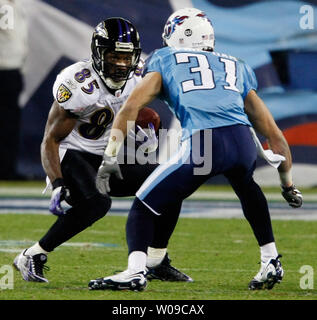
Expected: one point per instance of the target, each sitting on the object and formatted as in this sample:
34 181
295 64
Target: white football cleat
270 273
31 267
125 280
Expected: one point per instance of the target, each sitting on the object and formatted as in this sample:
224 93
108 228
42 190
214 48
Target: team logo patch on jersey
63 93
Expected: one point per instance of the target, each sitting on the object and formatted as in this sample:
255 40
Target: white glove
108 167
146 137
60 193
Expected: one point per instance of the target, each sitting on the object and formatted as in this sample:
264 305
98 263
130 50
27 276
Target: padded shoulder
76 87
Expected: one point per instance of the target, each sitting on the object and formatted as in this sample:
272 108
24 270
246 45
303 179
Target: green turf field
220 254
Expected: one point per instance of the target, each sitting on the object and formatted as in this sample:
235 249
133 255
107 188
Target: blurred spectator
13 50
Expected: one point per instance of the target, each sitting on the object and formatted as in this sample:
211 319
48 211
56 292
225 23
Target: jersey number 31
206 73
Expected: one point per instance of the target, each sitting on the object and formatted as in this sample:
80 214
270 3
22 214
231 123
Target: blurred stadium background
267 34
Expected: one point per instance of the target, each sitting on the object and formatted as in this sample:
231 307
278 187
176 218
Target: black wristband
287 189
58 183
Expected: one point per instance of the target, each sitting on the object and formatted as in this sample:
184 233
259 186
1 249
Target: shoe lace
39 266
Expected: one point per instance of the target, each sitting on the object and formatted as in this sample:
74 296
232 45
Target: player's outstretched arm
264 123
59 124
145 92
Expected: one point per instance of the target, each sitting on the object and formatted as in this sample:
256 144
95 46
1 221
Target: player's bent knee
139 207
98 208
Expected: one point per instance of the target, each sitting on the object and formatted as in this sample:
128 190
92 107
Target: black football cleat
166 272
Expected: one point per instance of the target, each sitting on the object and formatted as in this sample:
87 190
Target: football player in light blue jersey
213 96
186 71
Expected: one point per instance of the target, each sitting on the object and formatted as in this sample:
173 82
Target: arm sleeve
249 80
152 64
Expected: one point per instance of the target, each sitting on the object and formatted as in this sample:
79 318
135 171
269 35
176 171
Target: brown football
147 115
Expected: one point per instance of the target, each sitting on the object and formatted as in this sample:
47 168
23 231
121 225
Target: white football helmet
189 28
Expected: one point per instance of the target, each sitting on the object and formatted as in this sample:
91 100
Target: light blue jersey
222 81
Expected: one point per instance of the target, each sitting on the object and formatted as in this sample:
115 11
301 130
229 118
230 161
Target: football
147 115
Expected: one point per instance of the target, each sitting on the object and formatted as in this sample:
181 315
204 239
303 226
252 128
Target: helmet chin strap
114 85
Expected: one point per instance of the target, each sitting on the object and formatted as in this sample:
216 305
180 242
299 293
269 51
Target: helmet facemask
115 66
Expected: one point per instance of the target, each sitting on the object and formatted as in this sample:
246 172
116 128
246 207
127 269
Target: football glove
293 196
59 194
108 167
147 138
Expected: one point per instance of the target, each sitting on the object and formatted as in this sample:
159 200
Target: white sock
268 251
155 256
35 249
137 261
